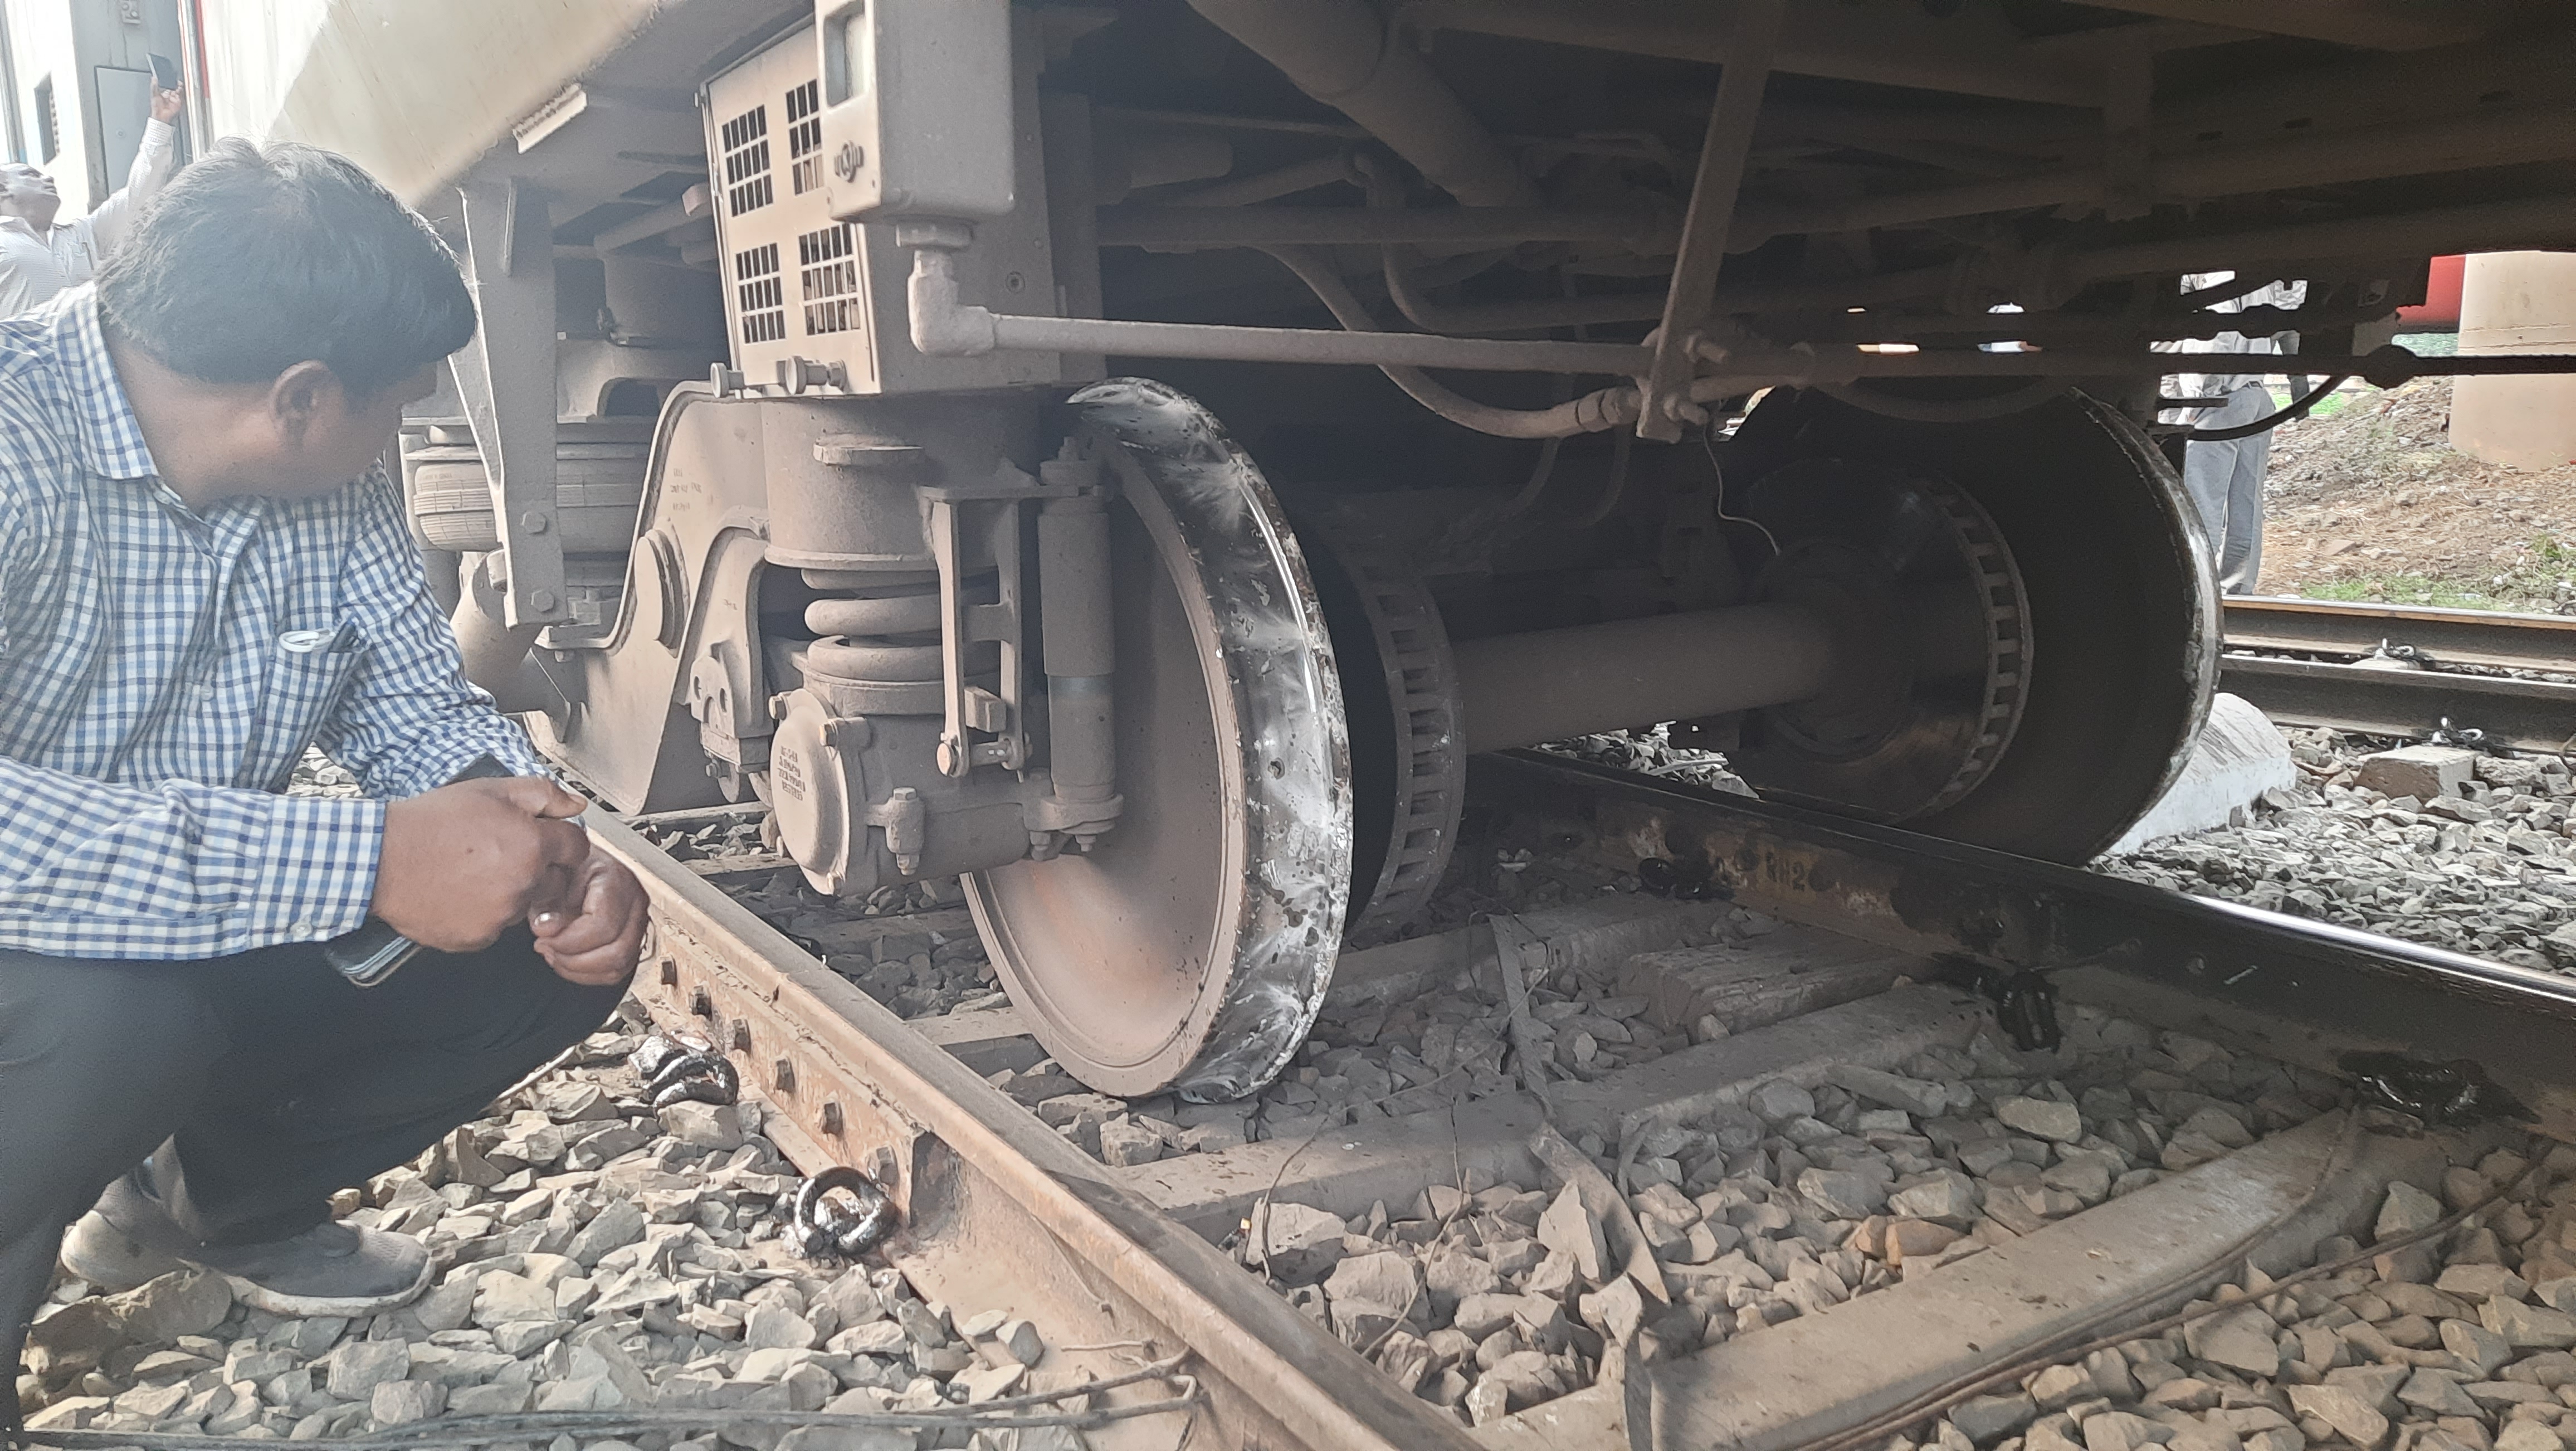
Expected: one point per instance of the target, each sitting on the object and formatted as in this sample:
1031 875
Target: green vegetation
2327 407
2529 587
2412 589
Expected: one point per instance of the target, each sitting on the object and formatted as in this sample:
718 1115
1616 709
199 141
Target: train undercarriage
1130 457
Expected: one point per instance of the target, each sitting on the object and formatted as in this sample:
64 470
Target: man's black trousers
258 1084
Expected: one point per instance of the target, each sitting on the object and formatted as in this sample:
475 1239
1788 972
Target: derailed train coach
1131 454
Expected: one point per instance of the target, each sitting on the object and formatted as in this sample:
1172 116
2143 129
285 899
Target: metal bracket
1665 405
995 508
506 377
905 820
727 682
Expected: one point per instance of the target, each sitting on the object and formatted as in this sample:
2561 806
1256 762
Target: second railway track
1815 1185
2395 670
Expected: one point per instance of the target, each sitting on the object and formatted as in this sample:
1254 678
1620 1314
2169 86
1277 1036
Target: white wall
254 51
413 90
67 41
41 45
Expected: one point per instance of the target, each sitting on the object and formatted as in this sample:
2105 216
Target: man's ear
301 397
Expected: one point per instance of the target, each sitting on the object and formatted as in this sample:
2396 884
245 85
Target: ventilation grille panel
805 137
759 295
828 274
746 161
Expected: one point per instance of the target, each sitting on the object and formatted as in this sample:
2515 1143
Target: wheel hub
2072 638
1930 640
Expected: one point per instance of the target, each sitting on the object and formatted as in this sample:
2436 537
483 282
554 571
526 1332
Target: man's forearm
142 182
151 161
179 871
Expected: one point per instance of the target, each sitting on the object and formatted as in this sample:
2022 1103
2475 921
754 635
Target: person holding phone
39 256
203 571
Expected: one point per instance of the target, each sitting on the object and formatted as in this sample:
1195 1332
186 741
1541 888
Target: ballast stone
2244 1340
2426 773
2042 1118
2405 1210
360 1366
1569 1229
715 1126
2529 1326
1913 1095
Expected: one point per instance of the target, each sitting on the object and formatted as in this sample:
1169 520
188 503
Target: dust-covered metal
2456 1092
2494 639
1668 879
1400 690
892 243
840 1213
997 1210
2039 651
1192 949
2516 714
1932 640
685 1068
2025 1007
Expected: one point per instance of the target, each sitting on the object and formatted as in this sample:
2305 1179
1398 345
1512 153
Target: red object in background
2441 307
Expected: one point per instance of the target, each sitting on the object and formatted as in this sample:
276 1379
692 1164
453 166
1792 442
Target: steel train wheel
1932 634
1191 948
1400 691
2118 648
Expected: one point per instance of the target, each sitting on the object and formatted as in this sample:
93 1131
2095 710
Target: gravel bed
2458 1344
1490 1298
1361 1062
915 974
1374 1060
592 1254
2491 872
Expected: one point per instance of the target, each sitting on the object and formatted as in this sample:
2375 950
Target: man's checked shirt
161 672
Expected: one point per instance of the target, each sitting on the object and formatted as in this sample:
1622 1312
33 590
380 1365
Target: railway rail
2397 670
1893 946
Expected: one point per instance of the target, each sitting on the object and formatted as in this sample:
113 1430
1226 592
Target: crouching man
202 571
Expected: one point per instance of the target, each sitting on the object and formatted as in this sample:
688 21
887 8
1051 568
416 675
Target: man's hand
592 934
465 861
165 105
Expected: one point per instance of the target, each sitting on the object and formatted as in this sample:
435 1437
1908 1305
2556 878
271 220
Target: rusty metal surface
2526 715
1399 694
997 1207
2122 620
1945 899
2490 638
1192 949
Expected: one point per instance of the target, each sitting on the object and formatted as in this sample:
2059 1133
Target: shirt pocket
310 673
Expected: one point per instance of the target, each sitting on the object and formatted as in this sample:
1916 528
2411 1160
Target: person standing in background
40 257
2225 479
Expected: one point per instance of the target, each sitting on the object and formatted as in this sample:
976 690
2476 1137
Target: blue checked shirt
162 670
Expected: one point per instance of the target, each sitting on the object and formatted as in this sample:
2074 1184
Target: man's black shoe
330 1269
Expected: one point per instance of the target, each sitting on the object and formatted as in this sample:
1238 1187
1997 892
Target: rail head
2496 639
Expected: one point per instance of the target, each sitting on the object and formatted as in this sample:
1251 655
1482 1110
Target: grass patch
2406 589
2530 587
2327 407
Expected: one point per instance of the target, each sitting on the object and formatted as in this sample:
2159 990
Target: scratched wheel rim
1191 949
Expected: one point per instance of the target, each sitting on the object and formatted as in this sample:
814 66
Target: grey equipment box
818 304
